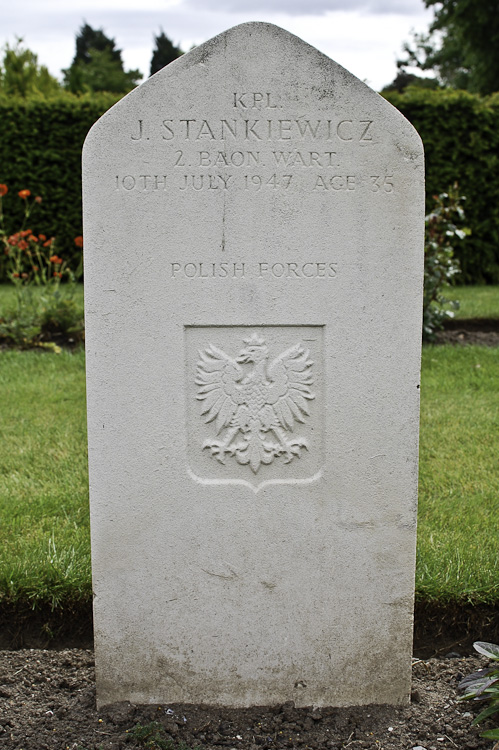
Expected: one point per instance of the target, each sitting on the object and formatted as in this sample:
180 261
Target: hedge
460 132
41 140
40 150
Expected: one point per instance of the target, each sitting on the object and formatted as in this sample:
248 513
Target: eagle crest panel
255 396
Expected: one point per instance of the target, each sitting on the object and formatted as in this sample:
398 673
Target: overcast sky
365 36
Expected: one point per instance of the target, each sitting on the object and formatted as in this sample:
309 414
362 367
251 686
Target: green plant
30 262
152 737
22 76
440 265
484 686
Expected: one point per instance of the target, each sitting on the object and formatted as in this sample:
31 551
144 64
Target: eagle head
255 350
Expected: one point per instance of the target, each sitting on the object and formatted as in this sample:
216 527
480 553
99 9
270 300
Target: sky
365 36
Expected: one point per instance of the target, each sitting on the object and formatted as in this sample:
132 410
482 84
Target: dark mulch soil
480 331
47 698
48 702
439 627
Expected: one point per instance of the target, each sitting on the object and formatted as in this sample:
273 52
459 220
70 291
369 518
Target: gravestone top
253 221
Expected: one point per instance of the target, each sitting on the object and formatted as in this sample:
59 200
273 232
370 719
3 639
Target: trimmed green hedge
40 150
41 140
460 132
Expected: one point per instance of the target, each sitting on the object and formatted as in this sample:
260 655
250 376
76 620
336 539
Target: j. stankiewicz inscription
249 407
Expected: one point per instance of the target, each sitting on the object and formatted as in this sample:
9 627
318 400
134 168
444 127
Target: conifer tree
98 65
164 52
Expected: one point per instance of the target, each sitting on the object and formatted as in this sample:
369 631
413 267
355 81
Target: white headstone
253 275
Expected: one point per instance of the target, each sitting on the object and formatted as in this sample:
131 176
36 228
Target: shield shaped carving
254 403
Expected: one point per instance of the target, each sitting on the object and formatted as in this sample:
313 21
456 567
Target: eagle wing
217 378
289 391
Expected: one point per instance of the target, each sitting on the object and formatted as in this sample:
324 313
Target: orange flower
38 199
24 276
15 275
57 274
48 242
13 239
25 232
22 244
3 190
42 237
32 238
35 268
24 194
79 241
55 260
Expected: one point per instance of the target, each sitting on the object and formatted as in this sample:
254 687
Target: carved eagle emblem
254 403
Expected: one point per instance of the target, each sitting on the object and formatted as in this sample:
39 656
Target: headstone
253 273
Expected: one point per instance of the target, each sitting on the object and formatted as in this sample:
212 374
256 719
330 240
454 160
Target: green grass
476 301
458 553
44 528
44 523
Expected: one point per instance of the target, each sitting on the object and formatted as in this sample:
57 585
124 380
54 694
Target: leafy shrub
484 686
441 266
43 306
40 149
460 133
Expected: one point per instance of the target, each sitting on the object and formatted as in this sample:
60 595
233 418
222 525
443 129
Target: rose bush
45 308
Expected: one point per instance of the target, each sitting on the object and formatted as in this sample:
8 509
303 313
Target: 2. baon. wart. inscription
253 403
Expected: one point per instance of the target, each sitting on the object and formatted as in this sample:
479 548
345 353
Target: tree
164 52
21 75
461 46
98 65
403 79
94 39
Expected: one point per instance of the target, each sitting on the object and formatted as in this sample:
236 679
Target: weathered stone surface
253 250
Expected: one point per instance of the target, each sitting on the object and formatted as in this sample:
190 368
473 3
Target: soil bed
47 697
439 627
479 331
48 702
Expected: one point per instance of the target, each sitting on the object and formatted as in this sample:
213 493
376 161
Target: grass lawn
44 540
44 531
476 301
458 554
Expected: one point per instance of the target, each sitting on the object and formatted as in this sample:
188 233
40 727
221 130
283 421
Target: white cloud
365 37
308 7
